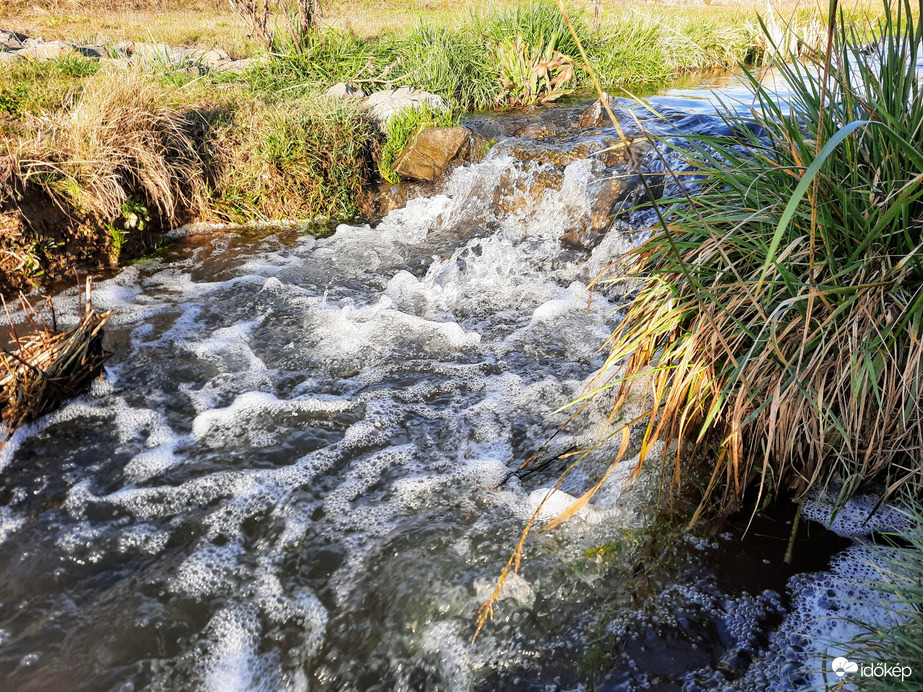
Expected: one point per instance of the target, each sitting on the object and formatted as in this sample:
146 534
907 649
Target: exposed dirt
42 244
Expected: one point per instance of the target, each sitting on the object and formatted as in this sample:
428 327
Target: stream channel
297 471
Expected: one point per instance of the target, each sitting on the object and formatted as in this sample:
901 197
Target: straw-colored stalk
49 366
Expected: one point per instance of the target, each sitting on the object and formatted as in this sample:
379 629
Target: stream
299 470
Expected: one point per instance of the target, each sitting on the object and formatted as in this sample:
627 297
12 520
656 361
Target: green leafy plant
307 159
134 217
532 74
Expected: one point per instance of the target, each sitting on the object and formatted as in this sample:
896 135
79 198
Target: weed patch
309 158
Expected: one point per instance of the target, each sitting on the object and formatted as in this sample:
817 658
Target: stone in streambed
430 153
611 197
596 115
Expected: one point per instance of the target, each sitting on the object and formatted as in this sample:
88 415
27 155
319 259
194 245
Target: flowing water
299 470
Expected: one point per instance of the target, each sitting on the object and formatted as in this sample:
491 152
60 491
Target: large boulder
384 105
430 153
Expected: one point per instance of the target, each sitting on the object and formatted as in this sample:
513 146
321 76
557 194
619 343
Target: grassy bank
96 163
264 144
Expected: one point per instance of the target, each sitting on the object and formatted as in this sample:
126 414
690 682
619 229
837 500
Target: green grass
779 316
461 61
30 88
301 160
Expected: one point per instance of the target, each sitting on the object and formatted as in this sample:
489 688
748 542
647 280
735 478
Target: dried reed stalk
48 367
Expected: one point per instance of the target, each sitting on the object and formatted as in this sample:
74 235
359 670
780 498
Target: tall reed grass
778 325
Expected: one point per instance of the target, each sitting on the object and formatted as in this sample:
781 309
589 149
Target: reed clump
778 324
49 366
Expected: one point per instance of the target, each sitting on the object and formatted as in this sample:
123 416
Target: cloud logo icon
841 666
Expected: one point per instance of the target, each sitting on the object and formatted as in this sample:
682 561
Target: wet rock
596 115
607 148
384 105
430 153
539 130
341 91
515 194
611 196
385 198
52 50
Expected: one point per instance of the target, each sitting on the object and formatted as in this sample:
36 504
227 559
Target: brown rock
612 197
429 154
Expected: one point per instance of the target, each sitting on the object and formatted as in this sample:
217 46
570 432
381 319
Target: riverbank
259 141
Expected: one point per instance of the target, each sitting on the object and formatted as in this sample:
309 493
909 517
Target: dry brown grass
177 22
49 366
214 23
120 138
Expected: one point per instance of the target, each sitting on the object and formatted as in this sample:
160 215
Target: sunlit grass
779 319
